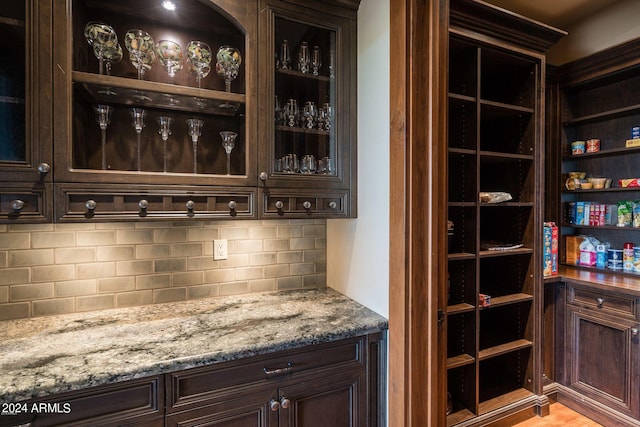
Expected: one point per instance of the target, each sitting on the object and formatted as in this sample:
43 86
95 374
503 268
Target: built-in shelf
501 349
604 153
508 299
460 256
460 360
507 107
508 252
605 115
494 155
459 308
498 402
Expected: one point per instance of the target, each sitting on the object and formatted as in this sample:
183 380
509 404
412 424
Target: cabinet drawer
295 204
618 305
23 202
219 382
110 203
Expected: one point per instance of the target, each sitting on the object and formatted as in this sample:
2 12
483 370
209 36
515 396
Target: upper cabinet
25 117
308 129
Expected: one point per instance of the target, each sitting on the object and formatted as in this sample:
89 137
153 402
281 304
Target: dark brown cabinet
25 111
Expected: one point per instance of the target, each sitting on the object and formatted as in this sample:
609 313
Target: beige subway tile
186 224
247 246
30 257
278 270
15 241
263 232
187 249
153 281
202 263
74 288
320 221
314 280
20 310
95 238
262 285
293 282
234 233
129 237
53 306
220 223
95 270
219 275
298 244
289 257
171 235
272 222
95 302
321 267
74 255
314 230
204 291
131 268
14 276
117 284
30 227
75 226
153 251
153 224
170 265
321 242
235 260
130 299
3 228
315 255
289 231
301 269
188 278
53 240
169 295
4 294
273 245
234 288
53 273
4 255
203 235
116 253
246 273
31 292
265 258
301 221
117 225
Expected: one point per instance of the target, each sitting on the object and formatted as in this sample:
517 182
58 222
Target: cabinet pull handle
279 205
263 176
306 204
285 403
274 405
333 205
190 205
143 204
232 205
269 372
17 205
44 168
600 302
91 205
634 332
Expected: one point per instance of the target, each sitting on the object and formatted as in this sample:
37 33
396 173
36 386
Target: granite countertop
47 355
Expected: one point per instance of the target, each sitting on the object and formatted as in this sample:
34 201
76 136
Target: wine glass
316 62
140 45
228 142
291 112
101 37
199 55
137 116
303 58
228 64
285 55
103 117
195 130
310 114
111 55
170 56
164 131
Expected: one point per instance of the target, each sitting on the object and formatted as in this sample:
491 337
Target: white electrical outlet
220 249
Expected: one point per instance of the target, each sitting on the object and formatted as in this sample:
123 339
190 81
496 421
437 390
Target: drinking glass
138 115
170 56
326 113
291 112
110 55
140 45
325 166
310 114
101 37
103 117
228 142
228 64
199 56
164 131
285 55
308 164
303 58
316 61
195 130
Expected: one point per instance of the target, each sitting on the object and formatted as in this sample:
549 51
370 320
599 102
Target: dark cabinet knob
17 205
306 204
333 205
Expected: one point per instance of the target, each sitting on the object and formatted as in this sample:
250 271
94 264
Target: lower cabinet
603 348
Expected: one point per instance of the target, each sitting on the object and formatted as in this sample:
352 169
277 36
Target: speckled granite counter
49 355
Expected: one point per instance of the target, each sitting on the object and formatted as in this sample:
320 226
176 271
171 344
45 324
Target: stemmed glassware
228 142
316 62
170 56
101 37
291 112
195 130
140 45
103 117
228 64
111 55
285 55
164 131
303 58
310 114
199 54
137 116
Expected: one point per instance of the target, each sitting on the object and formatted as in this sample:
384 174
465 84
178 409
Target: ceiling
558 13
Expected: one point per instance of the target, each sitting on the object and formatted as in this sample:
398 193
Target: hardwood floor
559 415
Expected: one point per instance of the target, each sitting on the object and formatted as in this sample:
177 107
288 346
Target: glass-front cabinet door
157 106
25 99
308 129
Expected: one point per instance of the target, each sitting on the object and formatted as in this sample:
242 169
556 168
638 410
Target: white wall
358 249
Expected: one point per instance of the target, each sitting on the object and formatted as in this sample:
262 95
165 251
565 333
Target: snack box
550 249
572 249
484 300
631 182
635 142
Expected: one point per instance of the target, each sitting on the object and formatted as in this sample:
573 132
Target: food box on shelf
550 257
572 249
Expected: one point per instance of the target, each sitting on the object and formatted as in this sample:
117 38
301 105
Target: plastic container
593 145
577 147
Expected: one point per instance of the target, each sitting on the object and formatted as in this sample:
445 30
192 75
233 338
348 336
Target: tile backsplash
49 269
